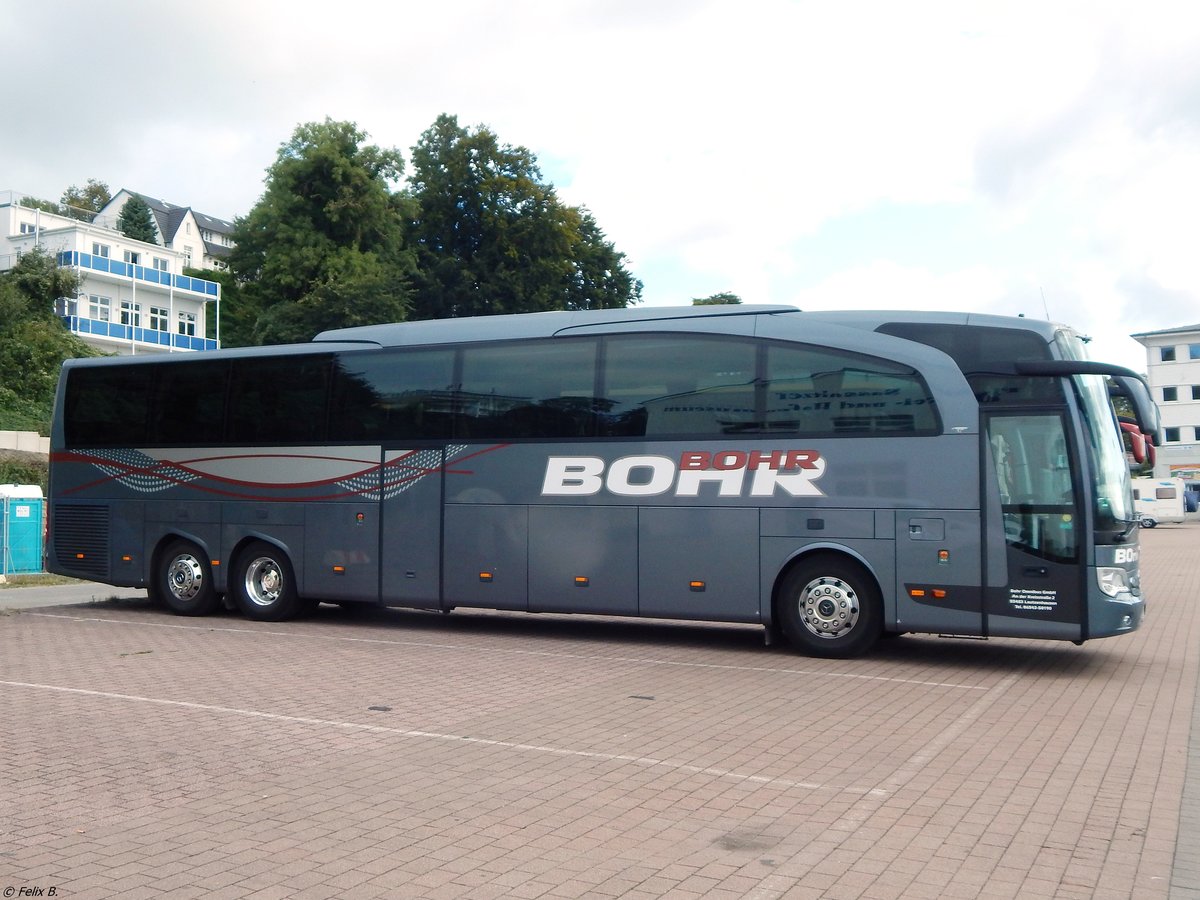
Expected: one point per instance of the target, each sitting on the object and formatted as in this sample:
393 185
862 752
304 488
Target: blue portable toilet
21 528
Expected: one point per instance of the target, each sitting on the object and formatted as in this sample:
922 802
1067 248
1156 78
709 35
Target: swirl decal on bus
298 474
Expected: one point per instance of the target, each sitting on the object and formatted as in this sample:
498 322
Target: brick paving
389 753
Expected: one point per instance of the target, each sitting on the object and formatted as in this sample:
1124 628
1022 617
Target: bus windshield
1113 489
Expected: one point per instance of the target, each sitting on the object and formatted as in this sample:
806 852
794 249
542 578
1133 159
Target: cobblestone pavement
401 754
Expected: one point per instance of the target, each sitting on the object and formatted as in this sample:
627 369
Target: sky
1038 158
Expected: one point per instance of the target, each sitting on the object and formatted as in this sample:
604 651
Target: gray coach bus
830 476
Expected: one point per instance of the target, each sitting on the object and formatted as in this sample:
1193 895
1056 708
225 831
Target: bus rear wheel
183 581
264 585
830 606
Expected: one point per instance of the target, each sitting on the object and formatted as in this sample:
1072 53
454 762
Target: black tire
183 581
830 606
1148 522
263 585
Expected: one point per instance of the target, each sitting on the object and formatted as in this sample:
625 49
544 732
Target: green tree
84 202
491 237
137 221
324 246
599 279
33 342
724 298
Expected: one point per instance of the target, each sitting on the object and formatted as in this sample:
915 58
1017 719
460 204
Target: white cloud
937 154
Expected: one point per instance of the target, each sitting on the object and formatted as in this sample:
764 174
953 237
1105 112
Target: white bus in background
1158 500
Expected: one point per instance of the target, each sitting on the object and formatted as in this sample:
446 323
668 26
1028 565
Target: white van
1158 500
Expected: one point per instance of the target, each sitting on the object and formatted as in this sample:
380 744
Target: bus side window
280 400
655 385
189 403
814 391
528 390
100 397
393 396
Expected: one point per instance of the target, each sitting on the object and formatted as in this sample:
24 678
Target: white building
1173 372
204 241
133 296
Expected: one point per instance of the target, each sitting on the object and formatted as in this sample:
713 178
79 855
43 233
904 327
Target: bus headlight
1113 581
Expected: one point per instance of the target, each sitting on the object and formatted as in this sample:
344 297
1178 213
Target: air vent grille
81 538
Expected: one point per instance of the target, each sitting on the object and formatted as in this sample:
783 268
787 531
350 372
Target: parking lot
391 753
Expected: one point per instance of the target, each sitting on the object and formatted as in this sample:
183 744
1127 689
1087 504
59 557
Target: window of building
187 324
28 228
131 313
159 316
187 257
1170 393
133 257
161 264
99 308
99 249
1196 391
1193 351
1172 435
1166 354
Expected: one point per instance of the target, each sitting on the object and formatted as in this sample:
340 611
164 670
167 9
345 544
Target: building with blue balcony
133 296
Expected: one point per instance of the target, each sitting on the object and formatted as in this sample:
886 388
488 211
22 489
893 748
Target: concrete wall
29 441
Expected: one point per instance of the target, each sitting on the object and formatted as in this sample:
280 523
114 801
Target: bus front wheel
183 581
830 606
263 584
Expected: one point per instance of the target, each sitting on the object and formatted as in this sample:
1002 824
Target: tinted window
1033 475
679 385
189 403
279 400
985 356
107 406
528 390
814 391
394 395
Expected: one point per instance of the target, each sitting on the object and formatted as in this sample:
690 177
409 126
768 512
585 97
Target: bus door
411 513
1035 501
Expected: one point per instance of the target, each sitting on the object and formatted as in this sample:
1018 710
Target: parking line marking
647 761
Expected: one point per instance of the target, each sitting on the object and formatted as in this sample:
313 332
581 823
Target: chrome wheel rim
264 581
829 607
185 577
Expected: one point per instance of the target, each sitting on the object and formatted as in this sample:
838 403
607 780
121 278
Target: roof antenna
1044 306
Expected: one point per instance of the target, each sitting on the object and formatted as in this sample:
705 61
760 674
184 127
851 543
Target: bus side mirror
1137 441
1145 411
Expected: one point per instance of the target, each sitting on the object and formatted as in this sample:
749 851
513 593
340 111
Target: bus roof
531 325
545 324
